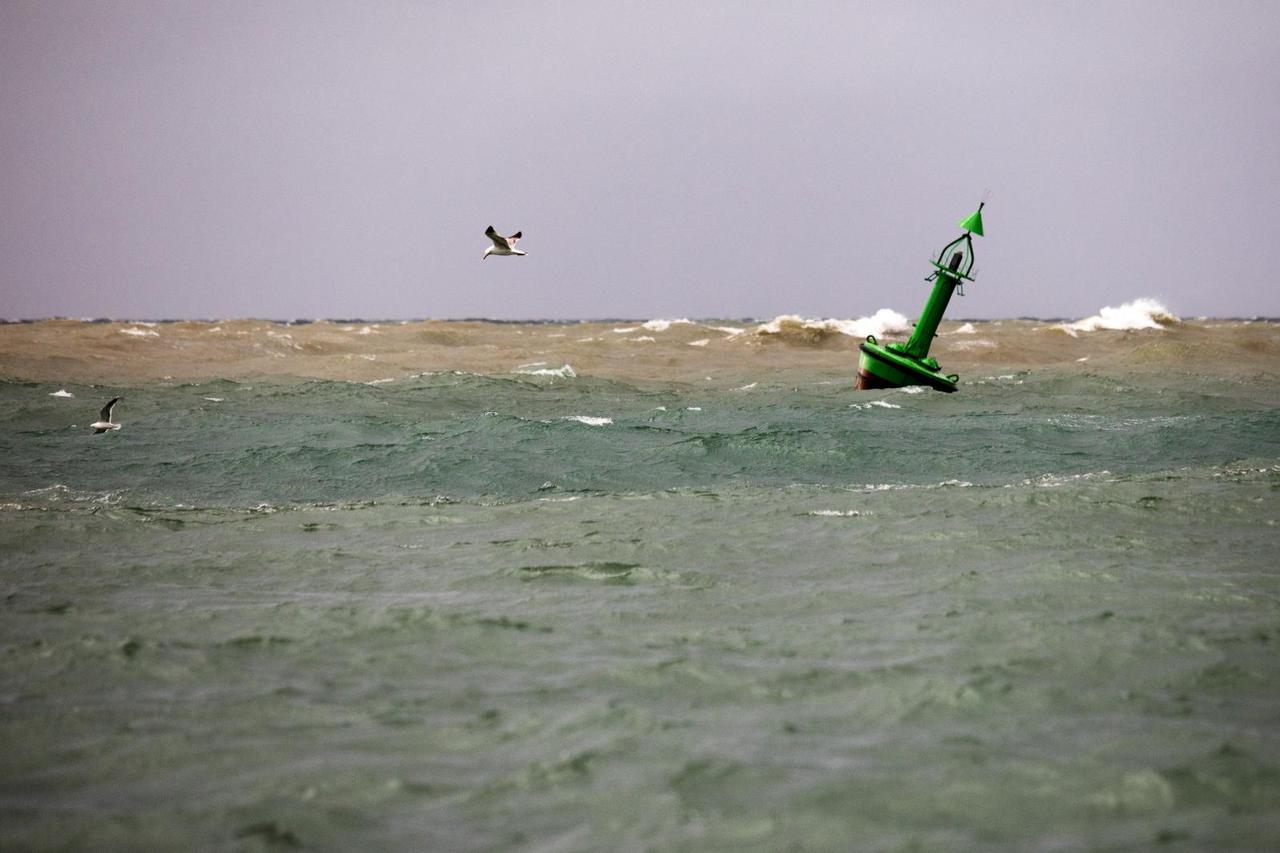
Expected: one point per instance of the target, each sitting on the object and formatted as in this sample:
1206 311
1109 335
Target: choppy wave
68 354
454 610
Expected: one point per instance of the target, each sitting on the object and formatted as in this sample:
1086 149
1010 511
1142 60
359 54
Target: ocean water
639 586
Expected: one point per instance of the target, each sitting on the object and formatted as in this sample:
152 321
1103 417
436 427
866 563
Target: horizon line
303 321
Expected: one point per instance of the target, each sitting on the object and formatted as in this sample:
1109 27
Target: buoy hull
866 381
879 367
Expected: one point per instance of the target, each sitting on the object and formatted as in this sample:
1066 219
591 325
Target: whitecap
884 321
588 420
899 487
694 408
747 387
541 368
62 392
641 339
980 343
140 333
1144 313
663 325
627 330
61 492
835 513
966 329
1053 481
54 491
700 343
214 399
882 404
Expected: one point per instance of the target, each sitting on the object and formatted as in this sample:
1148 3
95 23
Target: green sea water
509 611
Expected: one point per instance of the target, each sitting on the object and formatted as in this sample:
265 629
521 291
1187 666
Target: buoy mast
897 365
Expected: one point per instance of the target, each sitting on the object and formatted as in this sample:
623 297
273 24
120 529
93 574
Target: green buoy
898 365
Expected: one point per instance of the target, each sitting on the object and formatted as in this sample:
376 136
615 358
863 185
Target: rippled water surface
550 587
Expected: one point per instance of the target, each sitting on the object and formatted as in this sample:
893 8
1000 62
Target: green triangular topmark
974 223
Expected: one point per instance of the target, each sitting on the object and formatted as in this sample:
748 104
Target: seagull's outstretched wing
498 239
511 240
105 414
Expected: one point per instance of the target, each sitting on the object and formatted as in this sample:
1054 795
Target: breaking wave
1144 313
663 325
793 328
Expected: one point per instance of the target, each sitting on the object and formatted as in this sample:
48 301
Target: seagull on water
501 245
104 421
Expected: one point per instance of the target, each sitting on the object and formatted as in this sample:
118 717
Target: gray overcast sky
664 159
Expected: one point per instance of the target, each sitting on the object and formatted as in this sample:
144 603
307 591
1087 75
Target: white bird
104 421
501 245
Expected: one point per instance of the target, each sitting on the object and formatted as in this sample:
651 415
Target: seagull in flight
501 245
104 421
